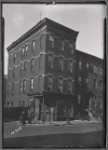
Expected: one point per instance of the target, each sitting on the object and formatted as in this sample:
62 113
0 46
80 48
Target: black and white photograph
53 75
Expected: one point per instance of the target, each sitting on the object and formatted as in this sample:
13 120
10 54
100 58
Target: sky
85 18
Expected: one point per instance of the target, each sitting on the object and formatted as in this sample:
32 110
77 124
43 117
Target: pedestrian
29 116
23 118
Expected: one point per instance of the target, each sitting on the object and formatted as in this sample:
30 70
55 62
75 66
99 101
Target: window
70 86
13 72
61 63
63 44
32 64
31 84
87 65
21 69
14 57
21 86
25 66
11 104
95 84
100 102
12 91
87 80
33 45
40 61
60 84
100 71
50 82
79 80
101 85
51 39
24 85
9 73
9 58
26 49
23 103
79 99
95 69
71 46
50 61
22 52
70 66
80 65
39 82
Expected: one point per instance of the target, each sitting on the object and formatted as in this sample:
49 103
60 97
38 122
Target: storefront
51 107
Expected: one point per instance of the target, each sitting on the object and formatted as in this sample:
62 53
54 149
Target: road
85 135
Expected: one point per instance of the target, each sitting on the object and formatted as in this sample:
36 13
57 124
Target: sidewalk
60 123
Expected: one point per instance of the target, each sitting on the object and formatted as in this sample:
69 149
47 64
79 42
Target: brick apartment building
89 83
43 72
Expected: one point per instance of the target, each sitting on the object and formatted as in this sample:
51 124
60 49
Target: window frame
52 41
32 64
60 85
31 84
49 83
61 65
70 67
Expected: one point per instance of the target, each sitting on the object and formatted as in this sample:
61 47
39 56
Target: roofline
88 55
39 25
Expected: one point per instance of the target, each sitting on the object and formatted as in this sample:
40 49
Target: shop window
61 64
80 65
70 66
31 84
32 64
50 60
60 84
51 39
50 82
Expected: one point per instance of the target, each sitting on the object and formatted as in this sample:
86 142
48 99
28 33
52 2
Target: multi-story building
41 70
89 83
49 75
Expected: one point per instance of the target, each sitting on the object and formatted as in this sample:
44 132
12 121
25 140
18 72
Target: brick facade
43 71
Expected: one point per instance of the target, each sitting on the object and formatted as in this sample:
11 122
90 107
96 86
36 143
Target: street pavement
53 135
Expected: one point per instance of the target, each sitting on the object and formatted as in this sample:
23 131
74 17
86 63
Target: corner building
41 71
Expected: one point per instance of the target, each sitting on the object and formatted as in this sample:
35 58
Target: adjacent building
44 73
89 84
